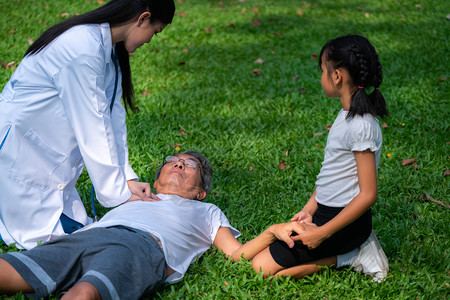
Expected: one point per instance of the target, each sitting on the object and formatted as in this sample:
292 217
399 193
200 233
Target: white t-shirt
186 228
337 183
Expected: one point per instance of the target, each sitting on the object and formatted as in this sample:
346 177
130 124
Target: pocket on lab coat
36 161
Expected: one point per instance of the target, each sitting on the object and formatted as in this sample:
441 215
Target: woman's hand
141 191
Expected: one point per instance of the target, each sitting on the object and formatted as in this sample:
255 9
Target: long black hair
116 12
357 55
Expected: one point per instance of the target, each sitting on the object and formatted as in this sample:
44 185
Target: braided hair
357 55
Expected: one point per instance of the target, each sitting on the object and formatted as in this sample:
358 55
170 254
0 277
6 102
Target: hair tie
360 87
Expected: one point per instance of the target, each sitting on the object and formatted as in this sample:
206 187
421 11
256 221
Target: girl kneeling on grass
337 217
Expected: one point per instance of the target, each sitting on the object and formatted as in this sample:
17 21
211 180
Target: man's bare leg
82 290
10 280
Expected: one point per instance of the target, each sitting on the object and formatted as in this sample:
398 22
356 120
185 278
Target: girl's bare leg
82 290
10 280
264 262
308 268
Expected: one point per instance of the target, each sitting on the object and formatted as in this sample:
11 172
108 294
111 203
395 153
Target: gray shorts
121 262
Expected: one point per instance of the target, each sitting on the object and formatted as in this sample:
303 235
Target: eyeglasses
189 162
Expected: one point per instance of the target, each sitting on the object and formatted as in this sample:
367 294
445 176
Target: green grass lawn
197 89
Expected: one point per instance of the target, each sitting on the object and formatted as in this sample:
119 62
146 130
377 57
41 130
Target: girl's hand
302 216
141 191
284 231
311 236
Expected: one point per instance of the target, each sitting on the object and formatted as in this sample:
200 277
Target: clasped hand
301 229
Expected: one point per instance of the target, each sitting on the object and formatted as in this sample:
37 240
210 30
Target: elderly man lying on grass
138 245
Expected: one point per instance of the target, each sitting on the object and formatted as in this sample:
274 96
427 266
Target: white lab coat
54 120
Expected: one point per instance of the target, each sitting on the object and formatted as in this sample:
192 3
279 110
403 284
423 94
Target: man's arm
227 243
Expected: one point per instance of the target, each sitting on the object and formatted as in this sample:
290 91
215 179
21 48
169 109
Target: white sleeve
87 109
120 132
218 219
363 136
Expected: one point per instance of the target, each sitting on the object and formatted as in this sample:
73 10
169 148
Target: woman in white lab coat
61 111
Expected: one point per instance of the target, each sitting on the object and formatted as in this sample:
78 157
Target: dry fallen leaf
256 23
259 61
101 2
313 56
254 9
256 72
442 79
302 90
146 93
182 131
294 78
182 14
446 172
230 24
177 147
208 29
436 201
327 127
415 166
408 161
225 283
317 134
30 41
8 65
277 33
287 151
12 31
282 165
299 12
